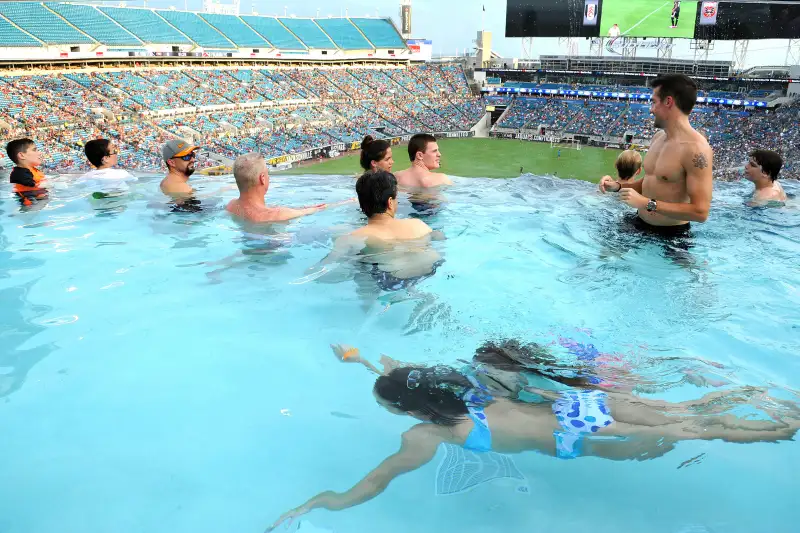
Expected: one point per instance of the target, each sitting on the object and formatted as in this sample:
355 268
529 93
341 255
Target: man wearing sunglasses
179 156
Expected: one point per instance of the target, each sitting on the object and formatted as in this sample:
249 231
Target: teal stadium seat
146 25
344 34
196 29
308 32
42 23
237 31
11 36
380 32
95 24
274 32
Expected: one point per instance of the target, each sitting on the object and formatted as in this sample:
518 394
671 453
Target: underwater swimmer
453 407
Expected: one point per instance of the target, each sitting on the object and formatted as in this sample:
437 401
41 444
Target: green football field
647 18
490 158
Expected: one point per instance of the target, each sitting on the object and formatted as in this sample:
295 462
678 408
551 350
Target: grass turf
651 18
490 158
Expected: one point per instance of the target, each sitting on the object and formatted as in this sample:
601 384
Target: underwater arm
417 449
343 247
348 354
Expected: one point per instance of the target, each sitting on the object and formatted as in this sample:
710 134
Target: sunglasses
109 154
186 157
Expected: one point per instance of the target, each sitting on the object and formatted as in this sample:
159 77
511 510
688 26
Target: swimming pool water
170 372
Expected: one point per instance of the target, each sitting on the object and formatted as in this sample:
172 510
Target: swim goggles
414 379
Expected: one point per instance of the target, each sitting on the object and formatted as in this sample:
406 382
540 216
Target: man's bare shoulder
696 152
406 178
365 231
697 139
416 226
441 179
175 187
659 136
775 194
256 216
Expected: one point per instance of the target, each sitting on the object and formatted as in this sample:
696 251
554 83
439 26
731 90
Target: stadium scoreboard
703 19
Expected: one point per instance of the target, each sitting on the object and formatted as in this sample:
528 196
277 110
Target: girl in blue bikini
461 407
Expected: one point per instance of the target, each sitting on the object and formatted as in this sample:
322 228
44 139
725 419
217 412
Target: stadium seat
145 25
380 32
309 33
11 36
95 24
237 31
344 34
42 23
274 32
196 29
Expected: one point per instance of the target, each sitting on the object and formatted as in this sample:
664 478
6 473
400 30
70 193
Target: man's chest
663 164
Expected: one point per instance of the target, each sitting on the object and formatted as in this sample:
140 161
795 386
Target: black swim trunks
189 205
424 208
389 282
664 232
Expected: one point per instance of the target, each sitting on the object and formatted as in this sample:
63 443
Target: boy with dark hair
26 176
379 243
762 170
105 179
423 151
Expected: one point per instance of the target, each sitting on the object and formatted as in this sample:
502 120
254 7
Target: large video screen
702 19
748 20
648 18
552 18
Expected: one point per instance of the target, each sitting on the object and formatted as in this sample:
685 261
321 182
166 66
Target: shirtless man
179 156
252 179
762 170
423 150
677 184
398 249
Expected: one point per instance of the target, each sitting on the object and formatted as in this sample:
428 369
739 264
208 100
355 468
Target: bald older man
252 179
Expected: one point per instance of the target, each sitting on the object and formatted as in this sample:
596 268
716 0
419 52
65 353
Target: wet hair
374 190
770 162
18 146
512 356
419 143
247 169
628 164
96 150
680 87
373 150
434 394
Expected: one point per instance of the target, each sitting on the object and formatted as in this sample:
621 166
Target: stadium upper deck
57 30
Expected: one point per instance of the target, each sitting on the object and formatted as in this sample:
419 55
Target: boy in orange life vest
26 176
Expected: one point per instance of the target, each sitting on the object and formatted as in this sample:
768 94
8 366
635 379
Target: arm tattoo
700 161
